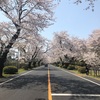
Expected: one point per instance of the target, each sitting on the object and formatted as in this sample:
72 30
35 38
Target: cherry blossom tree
67 49
92 60
6 32
30 15
62 47
89 3
80 48
93 45
94 42
32 53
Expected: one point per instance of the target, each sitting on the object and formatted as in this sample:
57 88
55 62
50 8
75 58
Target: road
49 83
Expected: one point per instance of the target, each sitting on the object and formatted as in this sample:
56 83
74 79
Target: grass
80 74
19 72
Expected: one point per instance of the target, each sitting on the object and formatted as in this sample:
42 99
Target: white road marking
84 95
14 78
80 77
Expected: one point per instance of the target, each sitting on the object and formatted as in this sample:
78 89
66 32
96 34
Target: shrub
11 62
82 70
65 66
25 67
71 67
10 70
59 65
77 67
22 65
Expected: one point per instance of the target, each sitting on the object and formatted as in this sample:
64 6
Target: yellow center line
49 86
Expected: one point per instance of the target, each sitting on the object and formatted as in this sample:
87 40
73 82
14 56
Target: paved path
30 86
67 86
52 84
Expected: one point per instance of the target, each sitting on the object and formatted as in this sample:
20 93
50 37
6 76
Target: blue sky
73 19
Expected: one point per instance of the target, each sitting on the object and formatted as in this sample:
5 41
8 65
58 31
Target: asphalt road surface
33 85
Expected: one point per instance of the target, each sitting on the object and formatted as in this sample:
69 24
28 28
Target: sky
73 19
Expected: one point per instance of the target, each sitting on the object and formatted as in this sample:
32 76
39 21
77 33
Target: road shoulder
83 76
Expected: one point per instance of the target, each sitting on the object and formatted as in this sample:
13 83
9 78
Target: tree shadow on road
68 85
46 69
28 82
42 69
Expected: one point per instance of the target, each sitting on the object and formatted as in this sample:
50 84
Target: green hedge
65 66
82 70
77 67
71 67
10 70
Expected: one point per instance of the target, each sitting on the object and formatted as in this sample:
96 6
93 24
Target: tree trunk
6 51
1 71
29 64
34 64
39 62
1 66
61 61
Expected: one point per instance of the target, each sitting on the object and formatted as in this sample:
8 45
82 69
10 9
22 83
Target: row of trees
66 49
26 19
